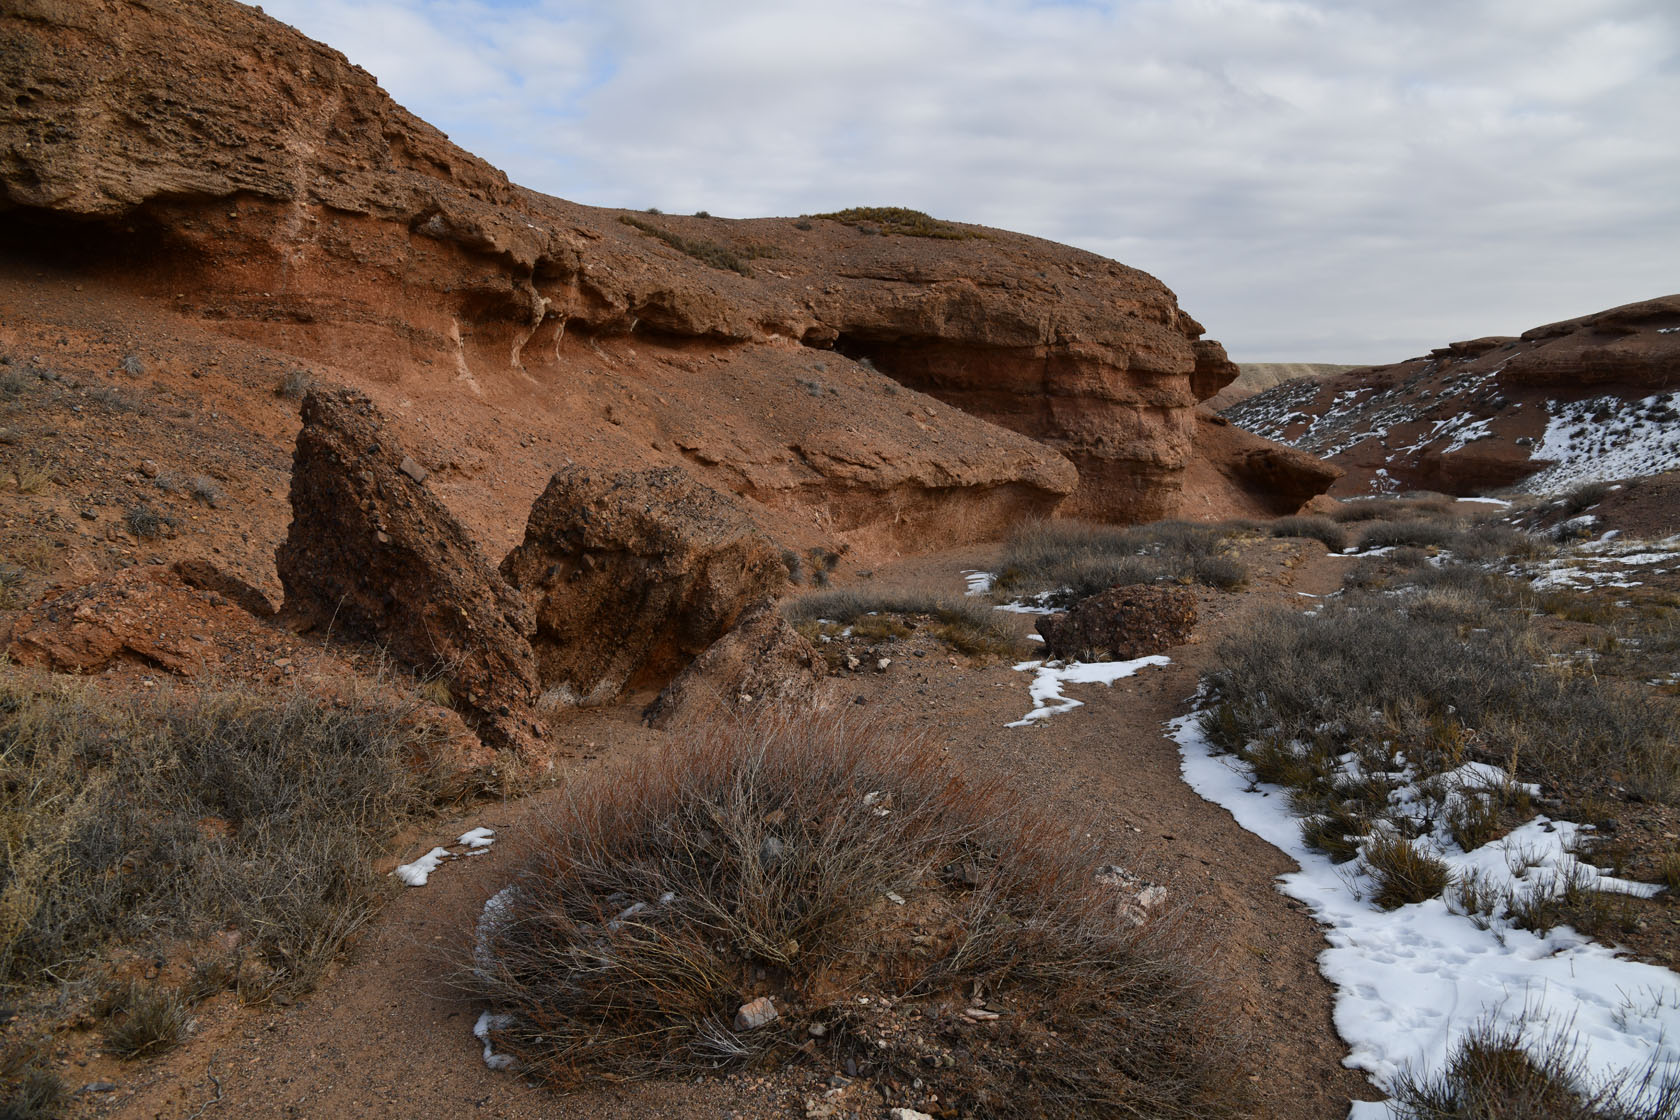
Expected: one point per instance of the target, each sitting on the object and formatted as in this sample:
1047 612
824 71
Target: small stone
980 1014
881 665
148 468
907 1114
852 662
816 1030
412 469
99 1087
895 898
89 515
755 1014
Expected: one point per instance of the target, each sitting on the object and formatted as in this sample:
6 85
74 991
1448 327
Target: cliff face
203 154
1596 397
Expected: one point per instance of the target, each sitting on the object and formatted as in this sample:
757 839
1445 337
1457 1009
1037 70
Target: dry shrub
968 625
754 860
1078 559
103 811
1493 1074
147 1021
1404 872
1334 536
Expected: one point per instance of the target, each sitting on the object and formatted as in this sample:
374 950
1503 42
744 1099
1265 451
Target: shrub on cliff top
900 220
842 874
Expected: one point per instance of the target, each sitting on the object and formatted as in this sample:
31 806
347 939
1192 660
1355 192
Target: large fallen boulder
1121 624
762 662
632 574
372 554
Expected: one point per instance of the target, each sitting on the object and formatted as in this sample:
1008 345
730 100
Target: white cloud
1317 180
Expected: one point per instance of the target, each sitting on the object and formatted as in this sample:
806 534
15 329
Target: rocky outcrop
1569 402
1121 624
273 189
762 661
632 575
371 554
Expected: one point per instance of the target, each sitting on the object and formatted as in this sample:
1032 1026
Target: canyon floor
387 1035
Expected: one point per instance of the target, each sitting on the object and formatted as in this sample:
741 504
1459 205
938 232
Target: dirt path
386 1037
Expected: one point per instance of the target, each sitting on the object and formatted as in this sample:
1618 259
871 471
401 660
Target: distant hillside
1257 377
1588 399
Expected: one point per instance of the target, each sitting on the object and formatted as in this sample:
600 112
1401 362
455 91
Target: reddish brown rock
633 574
373 555
762 662
272 189
208 576
1121 624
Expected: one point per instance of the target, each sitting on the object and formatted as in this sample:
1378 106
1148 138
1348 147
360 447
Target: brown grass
756 860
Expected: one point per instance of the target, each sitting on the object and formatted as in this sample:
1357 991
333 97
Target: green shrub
899 220
732 258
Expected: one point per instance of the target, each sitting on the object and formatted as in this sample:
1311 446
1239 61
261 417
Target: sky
1318 180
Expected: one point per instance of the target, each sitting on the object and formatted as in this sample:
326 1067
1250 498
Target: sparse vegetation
147 1020
144 522
1404 872
970 626
204 489
1334 536
147 821
756 861
1495 1073
1071 560
898 220
32 1093
732 258
295 385
133 364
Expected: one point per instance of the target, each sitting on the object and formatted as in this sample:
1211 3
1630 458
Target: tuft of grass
133 364
969 626
899 220
204 489
1495 1073
103 805
295 385
1407 534
30 478
148 1021
1585 496
145 523
36 1094
1404 872
731 258
13 581
1074 559
1334 536
752 861
16 381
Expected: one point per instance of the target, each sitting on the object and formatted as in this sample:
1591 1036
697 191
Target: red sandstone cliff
202 155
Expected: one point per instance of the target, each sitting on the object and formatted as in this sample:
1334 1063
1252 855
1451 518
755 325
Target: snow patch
488 1022
415 874
978 582
1050 676
1412 982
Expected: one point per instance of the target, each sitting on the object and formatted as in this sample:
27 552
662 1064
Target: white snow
1487 501
488 1022
1412 982
1050 676
478 838
1639 438
415 874
978 582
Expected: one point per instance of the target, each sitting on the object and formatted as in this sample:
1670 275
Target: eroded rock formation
273 189
631 575
762 662
373 555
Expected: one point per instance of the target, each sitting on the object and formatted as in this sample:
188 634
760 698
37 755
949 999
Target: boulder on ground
373 555
762 661
633 574
1121 624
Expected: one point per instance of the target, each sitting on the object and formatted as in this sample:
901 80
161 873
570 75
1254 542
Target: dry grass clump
32 1093
1404 872
154 819
843 873
1494 1075
970 626
1075 559
147 1021
1332 533
732 258
1400 507
900 220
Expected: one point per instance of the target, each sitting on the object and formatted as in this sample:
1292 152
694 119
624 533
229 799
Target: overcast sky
1318 180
